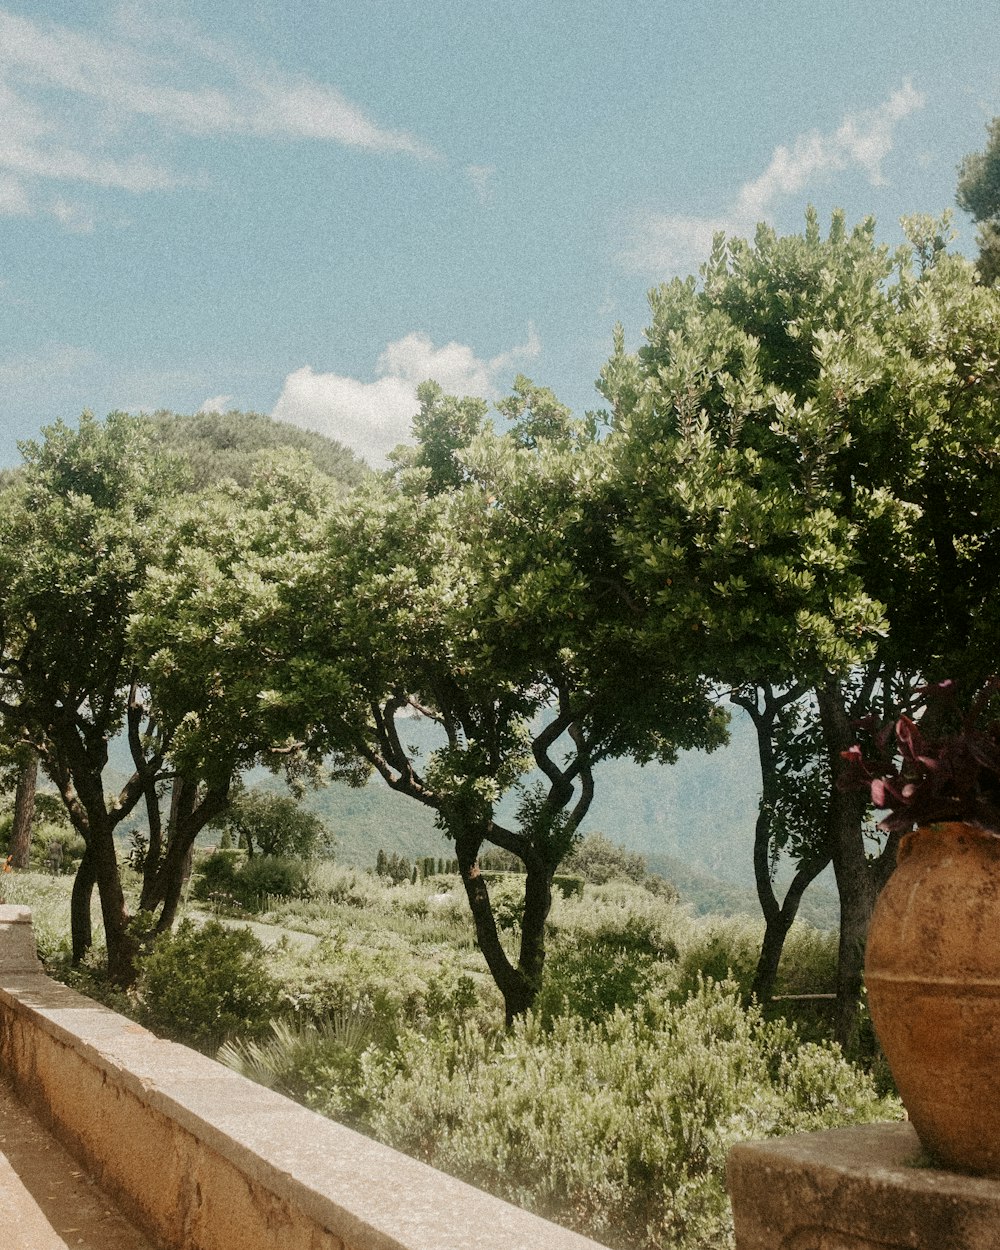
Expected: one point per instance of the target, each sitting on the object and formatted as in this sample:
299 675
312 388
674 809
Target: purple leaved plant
928 778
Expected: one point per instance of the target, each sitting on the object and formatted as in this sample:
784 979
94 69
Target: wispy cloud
674 242
217 403
49 362
373 417
83 108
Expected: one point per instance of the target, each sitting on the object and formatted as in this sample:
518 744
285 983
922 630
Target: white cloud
78 107
672 242
218 403
373 417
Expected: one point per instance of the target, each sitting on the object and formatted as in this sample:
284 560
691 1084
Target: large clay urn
932 971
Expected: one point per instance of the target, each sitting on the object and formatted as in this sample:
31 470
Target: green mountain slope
222 445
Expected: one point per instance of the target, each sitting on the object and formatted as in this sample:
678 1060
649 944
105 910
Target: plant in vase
932 965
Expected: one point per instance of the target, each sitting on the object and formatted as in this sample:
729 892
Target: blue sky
306 209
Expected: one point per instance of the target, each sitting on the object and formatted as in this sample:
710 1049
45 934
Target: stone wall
203 1159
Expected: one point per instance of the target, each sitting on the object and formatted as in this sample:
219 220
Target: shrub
506 898
216 875
618 1128
201 985
316 1062
45 838
597 859
722 949
230 880
271 875
591 973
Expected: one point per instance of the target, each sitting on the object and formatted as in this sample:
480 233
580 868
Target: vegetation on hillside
214 446
609 1107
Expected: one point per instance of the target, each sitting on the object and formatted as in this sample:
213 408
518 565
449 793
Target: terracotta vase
932 971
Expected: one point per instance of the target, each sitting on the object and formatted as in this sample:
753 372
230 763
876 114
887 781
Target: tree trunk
81 929
777 924
24 811
855 881
121 944
83 792
778 918
188 816
537 905
518 989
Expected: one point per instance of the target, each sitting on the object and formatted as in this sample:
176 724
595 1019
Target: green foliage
216 875
229 881
728 949
266 823
618 1128
211 607
202 985
54 847
271 876
312 1061
213 446
723 951
978 193
396 867
597 859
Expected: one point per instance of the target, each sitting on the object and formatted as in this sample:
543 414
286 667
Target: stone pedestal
856 1189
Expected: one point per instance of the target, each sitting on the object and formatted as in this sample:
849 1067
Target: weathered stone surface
17 940
856 1189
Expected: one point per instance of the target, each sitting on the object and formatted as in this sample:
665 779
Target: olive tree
76 530
807 446
477 586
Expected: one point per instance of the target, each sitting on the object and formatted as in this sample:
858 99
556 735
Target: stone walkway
47 1201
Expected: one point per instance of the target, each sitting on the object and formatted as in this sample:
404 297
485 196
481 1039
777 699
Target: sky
306 209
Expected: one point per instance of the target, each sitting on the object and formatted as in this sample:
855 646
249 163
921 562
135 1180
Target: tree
477 587
204 628
790 815
275 824
978 194
24 810
596 858
808 448
75 533
19 771
88 648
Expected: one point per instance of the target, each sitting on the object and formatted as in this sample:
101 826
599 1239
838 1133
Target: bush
722 949
216 875
619 1128
203 985
598 860
44 855
271 875
591 973
229 880
315 1062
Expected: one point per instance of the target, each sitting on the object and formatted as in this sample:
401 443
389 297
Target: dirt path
269 934
47 1201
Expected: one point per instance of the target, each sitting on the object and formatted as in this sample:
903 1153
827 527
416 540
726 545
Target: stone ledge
856 1189
203 1159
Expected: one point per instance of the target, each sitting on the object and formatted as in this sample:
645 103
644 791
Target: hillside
693 821
218 445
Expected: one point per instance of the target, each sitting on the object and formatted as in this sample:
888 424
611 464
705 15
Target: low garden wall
203 1159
